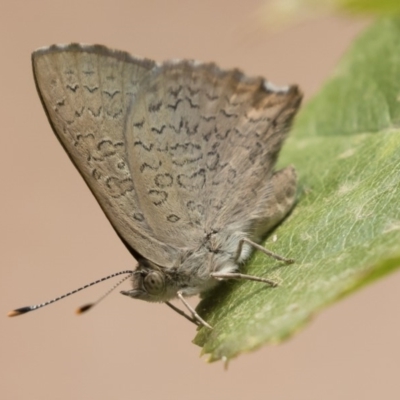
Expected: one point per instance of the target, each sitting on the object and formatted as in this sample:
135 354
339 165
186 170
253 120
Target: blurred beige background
55 238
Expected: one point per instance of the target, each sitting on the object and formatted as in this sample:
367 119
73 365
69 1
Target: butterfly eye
154 283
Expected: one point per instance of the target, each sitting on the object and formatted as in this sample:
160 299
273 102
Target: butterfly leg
237 275
264 250
192 311
180 312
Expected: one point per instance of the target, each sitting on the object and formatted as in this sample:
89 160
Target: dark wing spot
155 107
212 160
119 187
139 124
138 216
191 131
91 90
158 197
175 92
177 130
73 88
163 149
140 143
80 112
159 131
191 205
106 147
228 115
94 112
152 167
173 218
224 136
255 151
96 174
231 175
163 180
186 153
174 106
194 181
83 137
111 95
208 119
207 136
192 105
115 114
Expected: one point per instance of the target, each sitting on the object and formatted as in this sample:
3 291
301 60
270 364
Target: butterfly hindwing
202 144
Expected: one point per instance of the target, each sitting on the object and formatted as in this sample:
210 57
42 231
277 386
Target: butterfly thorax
192 273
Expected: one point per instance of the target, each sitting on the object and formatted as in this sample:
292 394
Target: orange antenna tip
84 308
19 311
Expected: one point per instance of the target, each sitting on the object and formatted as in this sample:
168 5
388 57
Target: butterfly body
192 273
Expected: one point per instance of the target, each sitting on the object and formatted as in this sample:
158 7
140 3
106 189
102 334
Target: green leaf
388 7
345 230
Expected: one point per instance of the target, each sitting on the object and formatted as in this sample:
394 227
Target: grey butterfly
180 157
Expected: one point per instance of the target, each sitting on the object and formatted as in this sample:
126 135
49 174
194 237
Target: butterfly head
151 283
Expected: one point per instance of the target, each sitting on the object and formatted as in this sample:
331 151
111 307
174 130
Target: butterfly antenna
88 306
24 310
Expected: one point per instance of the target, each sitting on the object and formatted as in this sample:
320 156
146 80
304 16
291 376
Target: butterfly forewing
86 91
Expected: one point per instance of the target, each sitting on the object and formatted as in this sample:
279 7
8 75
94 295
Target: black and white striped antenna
80 310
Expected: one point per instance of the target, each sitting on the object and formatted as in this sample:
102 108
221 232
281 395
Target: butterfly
180 156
